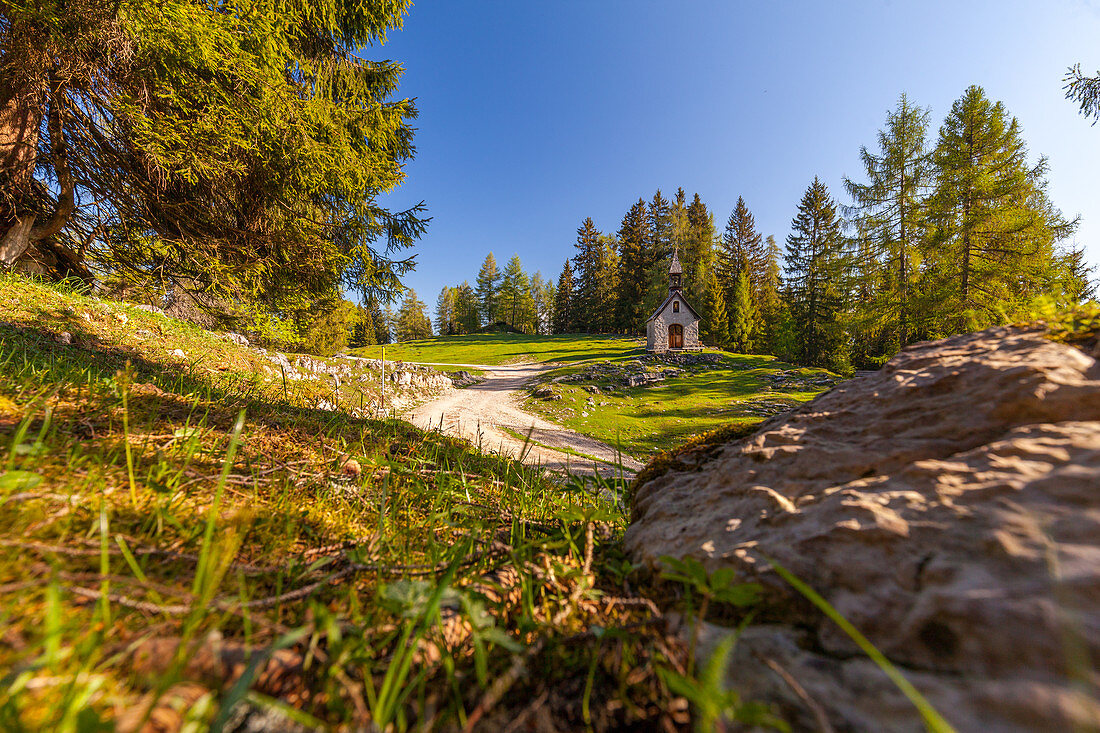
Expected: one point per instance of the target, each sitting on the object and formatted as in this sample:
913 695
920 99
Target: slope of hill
508 348
185 538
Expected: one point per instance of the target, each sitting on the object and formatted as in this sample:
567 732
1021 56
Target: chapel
674 326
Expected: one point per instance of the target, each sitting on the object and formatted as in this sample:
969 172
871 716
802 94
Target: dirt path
478 414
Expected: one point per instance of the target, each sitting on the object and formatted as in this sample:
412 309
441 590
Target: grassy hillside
506 348
738 390
186 540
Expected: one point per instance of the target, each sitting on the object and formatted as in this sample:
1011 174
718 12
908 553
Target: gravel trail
477 414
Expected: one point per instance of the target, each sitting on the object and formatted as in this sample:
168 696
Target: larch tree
564 301
412 321
1084 90
488 285
994 230
234 149
466 308
814 269
446 317
889 213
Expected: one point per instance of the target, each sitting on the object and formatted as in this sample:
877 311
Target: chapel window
675 306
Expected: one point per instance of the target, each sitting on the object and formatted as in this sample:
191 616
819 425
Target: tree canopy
235 148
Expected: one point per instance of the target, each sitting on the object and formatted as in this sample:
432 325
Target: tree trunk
20 119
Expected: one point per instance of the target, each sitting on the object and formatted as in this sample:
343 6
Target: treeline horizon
938 237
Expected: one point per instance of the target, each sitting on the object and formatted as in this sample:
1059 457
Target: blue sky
534 115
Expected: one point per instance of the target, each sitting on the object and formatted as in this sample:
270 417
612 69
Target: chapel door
675 336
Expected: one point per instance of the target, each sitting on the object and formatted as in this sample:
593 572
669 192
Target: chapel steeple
675 273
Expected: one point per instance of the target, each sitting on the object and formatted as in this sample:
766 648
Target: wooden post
383 380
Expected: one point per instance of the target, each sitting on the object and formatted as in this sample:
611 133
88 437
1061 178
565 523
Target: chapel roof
674 268
668 300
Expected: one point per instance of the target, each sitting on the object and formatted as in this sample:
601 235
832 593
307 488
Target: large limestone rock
947 505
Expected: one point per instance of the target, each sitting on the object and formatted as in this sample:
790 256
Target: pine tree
633 256
587 264
564 301
742 315
714 326
412 319
994 230
890 214
814 269
488 284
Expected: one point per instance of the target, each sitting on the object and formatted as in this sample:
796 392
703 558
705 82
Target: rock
947 505
64 338
351 468
178 353
554 397
149 309
593 389
236 338
543 392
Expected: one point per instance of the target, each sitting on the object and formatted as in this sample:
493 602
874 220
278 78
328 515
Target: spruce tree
488 283
814 271
658 251
714 325
604 286
742 315
633 262
770 303
993 229
587 263
890 215
564 300
697 250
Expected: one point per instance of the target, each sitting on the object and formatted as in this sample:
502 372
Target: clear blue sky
536 115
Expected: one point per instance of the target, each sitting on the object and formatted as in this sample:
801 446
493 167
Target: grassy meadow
739 390
186 543
507 348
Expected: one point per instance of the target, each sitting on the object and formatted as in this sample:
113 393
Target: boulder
543 392
947 505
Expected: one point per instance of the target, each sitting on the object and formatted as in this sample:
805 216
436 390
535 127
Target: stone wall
657 329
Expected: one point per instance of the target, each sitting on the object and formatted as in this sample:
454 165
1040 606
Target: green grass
151 504
507 348
644 421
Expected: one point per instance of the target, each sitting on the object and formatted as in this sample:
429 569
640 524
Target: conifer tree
697 250
564 300
889 213
513 296
814 268
658 251
770 303
488 284
412 318
587 262
994 230
742 315
466 308
714 326
633 257
446 320
363 333
604 286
